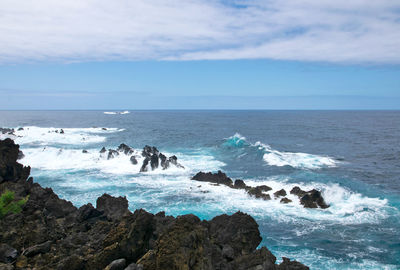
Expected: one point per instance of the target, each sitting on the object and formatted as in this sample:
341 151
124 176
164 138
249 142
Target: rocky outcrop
310 199
10 169
154 158
50 233
150 157
216 178
114 208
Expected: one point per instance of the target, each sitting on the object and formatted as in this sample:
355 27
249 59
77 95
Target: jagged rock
104 128
85 151
114 208
86 212
61 131
133 160
164 161
144 165
21 128
112 153
7 254
285 200
154 161
116 265
286 264
258 192
125 149
10 169
148 151
298 191
217 178
240 184
280 193
239 231
310 199
103 150
313 199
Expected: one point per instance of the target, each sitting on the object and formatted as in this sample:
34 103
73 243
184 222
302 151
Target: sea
352 157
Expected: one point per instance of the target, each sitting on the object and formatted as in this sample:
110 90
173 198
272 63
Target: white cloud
351 31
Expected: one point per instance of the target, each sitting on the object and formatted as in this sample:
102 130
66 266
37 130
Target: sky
199 54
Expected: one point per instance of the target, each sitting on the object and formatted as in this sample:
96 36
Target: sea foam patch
53 158
66 136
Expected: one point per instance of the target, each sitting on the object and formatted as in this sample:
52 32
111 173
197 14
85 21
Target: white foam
113 113
52 158
71 136
297 160
277 158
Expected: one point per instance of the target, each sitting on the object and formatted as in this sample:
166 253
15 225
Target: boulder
86 212
125 149
112 153
217 178
258 192
103 150
298 191
116 265
238 231
310 199
313 199
285 200
240 184
114 208
280 193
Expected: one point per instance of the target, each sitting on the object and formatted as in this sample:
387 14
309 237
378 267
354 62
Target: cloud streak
306 30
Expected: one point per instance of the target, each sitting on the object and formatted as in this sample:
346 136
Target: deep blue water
352 156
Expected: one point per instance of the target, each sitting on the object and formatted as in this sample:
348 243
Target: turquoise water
352 157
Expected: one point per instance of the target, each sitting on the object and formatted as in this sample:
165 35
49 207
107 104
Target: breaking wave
274 157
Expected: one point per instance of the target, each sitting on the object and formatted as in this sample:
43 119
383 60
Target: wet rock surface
309 199
50 233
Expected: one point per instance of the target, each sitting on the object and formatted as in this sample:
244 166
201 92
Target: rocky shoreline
51 233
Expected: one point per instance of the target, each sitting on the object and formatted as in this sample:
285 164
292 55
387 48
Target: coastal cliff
51 233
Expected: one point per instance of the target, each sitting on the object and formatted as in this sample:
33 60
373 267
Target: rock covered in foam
310 199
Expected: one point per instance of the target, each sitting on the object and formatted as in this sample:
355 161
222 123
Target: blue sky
200 54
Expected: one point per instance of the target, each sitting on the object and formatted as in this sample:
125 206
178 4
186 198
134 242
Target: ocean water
353 157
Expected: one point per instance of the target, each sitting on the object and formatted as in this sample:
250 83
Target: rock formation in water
309 199
153 158
51 233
